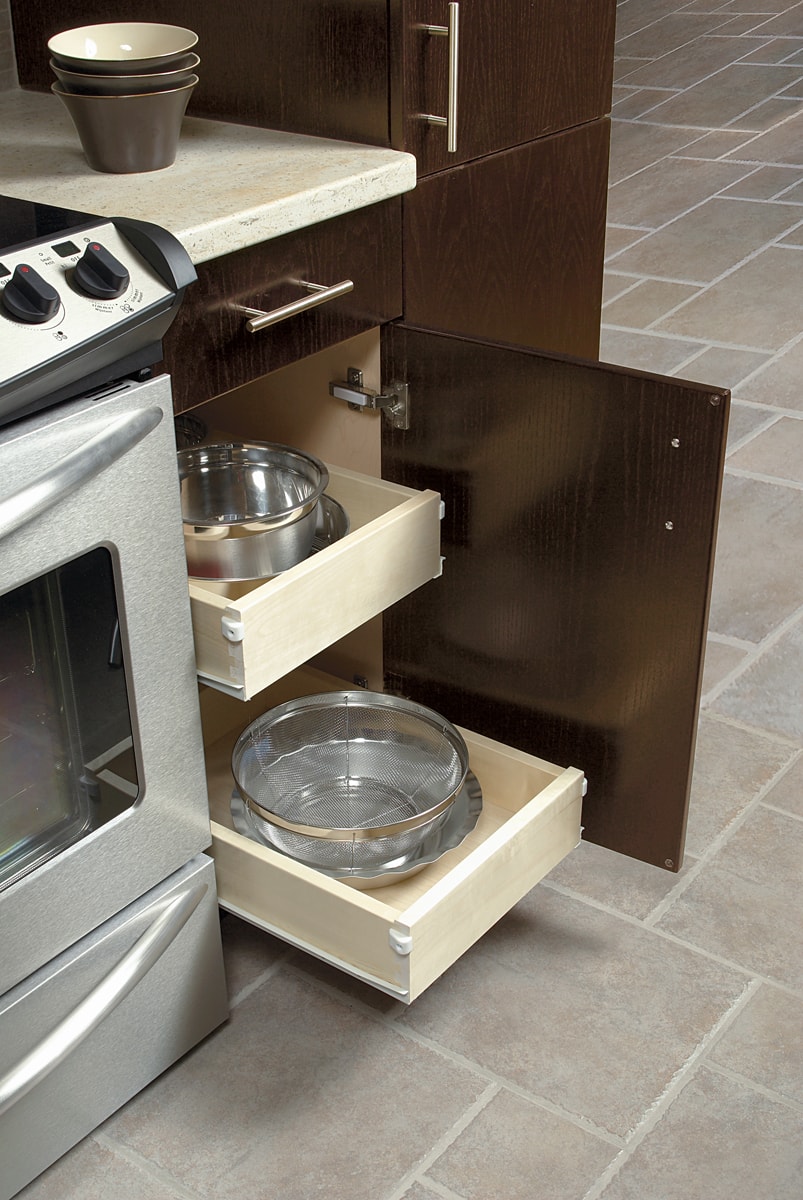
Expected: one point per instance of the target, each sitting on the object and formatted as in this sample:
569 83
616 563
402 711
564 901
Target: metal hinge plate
394 403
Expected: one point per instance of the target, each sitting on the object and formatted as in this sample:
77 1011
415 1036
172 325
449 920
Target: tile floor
624 1033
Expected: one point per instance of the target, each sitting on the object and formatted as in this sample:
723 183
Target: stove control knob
98 273
29 298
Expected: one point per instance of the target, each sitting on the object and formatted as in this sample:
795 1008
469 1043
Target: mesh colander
349 779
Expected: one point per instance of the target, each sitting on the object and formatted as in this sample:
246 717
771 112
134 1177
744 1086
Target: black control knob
98 273
30 298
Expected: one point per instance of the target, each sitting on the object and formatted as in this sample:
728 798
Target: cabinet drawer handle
320 295
450 31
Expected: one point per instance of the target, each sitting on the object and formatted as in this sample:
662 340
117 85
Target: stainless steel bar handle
452 32
114 988
76 469
320 295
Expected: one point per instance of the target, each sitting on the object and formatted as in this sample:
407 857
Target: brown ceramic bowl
125 85
122 135
121 47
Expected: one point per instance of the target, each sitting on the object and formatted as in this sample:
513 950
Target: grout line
146 1165
772 638
675 939
754 1086
391 1022
678 1082
444 1142
777 480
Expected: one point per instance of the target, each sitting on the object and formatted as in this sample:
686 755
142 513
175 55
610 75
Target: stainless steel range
111 963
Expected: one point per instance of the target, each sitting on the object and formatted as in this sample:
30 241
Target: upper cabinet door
525 68
570 619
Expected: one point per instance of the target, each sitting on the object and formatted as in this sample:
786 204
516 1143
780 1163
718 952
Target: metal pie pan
461 819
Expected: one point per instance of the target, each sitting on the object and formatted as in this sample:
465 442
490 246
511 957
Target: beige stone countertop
231 186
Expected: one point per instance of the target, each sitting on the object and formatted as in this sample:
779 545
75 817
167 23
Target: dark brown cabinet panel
525 69
298 65
208 349
511 247
570 619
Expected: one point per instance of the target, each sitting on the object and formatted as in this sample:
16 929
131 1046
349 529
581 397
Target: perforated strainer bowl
347 780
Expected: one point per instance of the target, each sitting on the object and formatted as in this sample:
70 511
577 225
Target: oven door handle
94 1008
76 469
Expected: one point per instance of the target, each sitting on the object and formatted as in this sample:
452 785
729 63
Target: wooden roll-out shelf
401 937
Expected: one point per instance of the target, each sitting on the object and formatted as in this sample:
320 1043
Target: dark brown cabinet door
526 68
570 619
511 247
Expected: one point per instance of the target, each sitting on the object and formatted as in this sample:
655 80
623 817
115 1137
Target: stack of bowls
126 86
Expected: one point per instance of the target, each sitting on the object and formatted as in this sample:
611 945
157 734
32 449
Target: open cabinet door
570 619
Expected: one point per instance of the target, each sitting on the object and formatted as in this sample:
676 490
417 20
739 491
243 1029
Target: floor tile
666 34
765 1043
761 524
718 144
740 907
637 102
569 1002
247 953
634 147
762 319
704 243
647 302
689 64
768 114
725 367
745 420
782 145
788 23
768 693
779 383
787 793
667 189
510 1144
614 285
723 97
623 884
643 350
278 1102
731 767
618 239
719 1140
764 183
94 1172
777 451
720 660
630 18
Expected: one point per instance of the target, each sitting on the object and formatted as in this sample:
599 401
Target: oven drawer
247 636
401 937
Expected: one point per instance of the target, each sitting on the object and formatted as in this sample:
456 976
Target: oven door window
67 764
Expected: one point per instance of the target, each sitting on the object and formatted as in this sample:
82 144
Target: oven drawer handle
88 1014
320 295
76 469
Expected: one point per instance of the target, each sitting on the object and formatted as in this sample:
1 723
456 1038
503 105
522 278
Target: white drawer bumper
401 937
249 635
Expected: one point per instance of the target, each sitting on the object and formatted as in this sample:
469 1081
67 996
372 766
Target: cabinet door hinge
394 403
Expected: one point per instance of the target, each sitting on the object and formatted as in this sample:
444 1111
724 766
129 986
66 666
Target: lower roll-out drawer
248 635
401 937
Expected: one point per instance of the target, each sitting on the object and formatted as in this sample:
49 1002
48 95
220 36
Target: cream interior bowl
125 85
120 47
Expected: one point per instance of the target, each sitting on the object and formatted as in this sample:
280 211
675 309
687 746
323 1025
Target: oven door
102 784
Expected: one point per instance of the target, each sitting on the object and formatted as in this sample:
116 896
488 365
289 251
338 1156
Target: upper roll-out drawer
249 635
209 349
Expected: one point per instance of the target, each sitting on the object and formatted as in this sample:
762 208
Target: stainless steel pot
249 508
